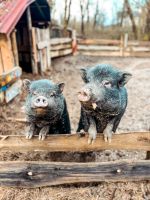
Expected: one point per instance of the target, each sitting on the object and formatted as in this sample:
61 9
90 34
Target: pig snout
84 95
41 102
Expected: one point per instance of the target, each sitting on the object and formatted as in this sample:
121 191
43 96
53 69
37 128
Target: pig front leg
43 132
92 131
108 132
111 127
30 132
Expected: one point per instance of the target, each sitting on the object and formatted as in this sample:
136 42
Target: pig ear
83 72
26 84
125 77
61 87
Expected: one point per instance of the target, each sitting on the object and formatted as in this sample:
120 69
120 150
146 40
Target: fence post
74 42
125 44
32 42
121 46
14 47
148 155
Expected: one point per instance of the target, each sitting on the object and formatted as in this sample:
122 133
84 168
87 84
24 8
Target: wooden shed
24 41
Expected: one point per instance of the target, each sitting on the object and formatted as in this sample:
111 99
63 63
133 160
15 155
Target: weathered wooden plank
48 48
138 49
74 42
138 43
139 54
98 42
10 76
100 53
41 61
2 97
55 41
43 44
60 53
75 143
31 42
13 91
37 174
6 55
14 47
98 48
60 46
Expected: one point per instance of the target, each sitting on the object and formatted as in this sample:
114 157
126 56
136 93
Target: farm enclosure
136 118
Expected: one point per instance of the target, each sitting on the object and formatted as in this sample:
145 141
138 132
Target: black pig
46 108
103 100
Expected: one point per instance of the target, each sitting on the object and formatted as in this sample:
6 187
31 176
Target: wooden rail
122 47
37 174
60 47
74 143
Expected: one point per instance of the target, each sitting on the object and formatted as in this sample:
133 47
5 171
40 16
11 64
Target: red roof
10 13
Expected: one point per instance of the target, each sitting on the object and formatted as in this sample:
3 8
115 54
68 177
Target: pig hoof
82 133
91 141
42 136
29 136
107 139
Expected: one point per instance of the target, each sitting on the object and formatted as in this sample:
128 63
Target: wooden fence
61 47
64 45
30 174
123 47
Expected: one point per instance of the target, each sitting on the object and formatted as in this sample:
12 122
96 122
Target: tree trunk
95 16
87 10
147 27
82 17
129 11
67 15
122 15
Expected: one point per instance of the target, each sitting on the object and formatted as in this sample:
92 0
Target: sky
108 7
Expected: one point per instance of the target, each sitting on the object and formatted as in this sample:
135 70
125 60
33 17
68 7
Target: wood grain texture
61 52
75 143
37 174
99 42
56 41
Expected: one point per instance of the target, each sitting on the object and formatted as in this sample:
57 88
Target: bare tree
67 14
82 8
96 15
147 26
87 11
130 13
122 14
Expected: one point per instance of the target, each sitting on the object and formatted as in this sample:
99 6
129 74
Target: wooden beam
100 53
62 52
60 46
98 42
31 42
37 174
75 143
98 48
55 41
14 47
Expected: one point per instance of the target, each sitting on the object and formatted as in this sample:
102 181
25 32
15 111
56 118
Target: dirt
136 118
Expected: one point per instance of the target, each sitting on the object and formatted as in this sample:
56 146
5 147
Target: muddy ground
136 118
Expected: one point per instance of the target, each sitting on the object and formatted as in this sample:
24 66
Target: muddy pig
45 108
103 100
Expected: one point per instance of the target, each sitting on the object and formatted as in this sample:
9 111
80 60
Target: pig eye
34 93
106 84
53 94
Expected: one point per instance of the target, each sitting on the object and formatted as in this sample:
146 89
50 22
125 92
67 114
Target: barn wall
6 55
